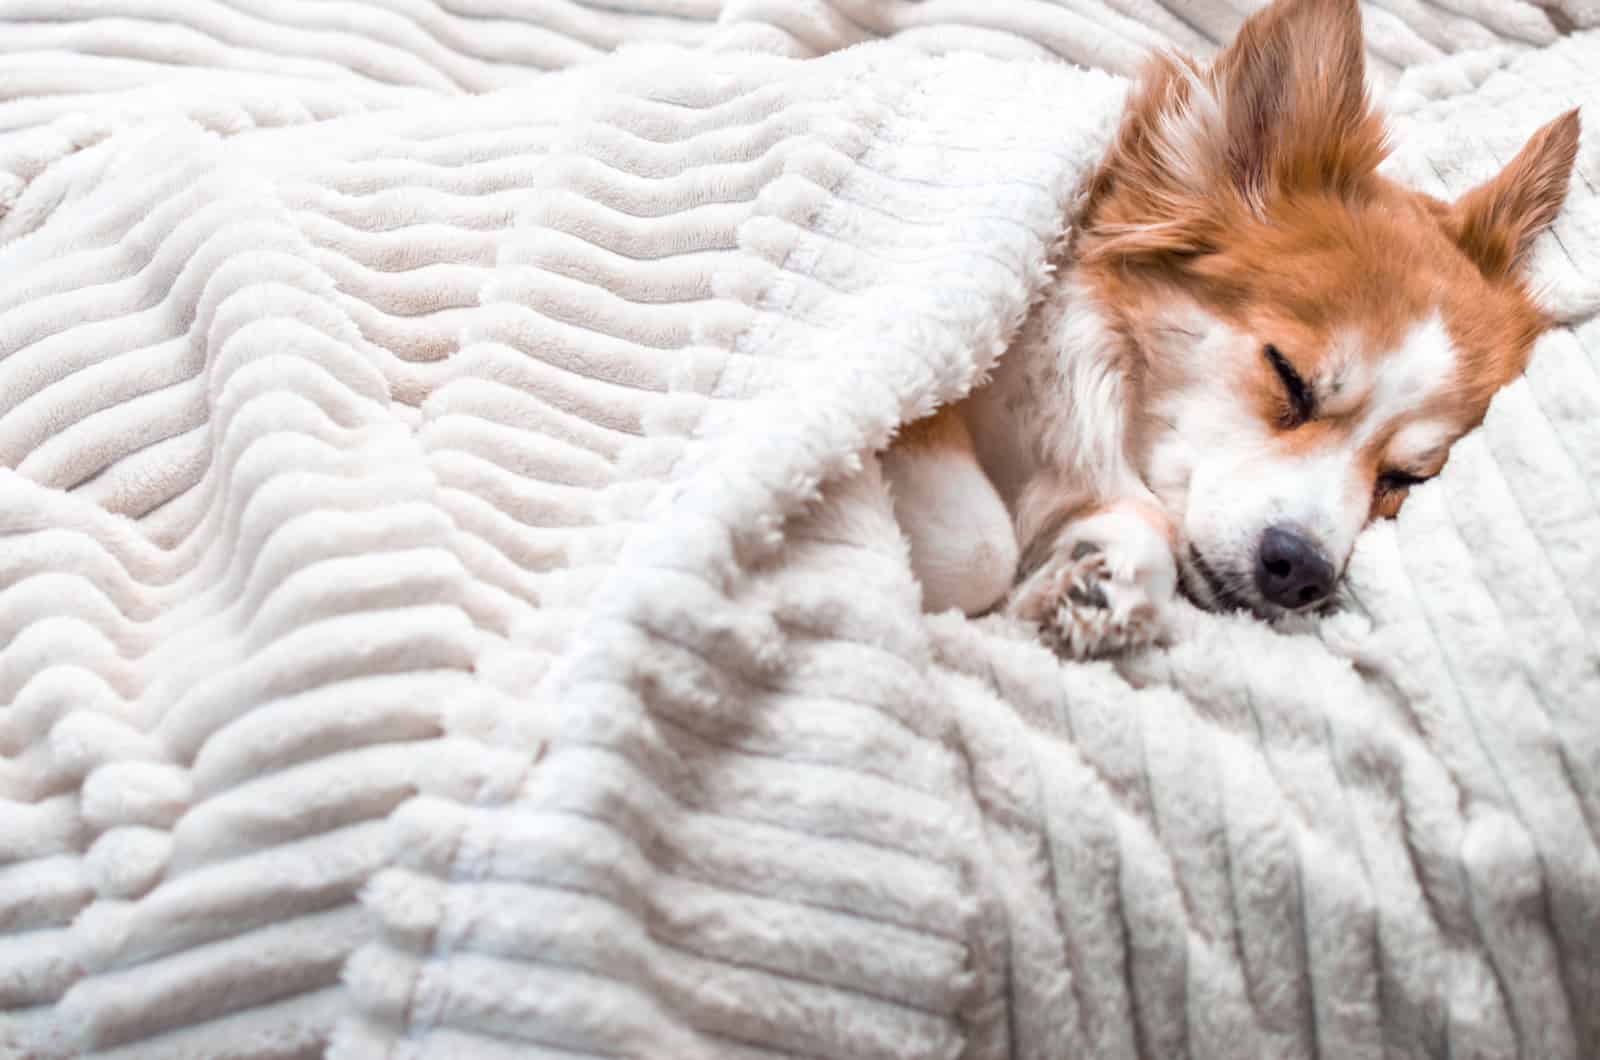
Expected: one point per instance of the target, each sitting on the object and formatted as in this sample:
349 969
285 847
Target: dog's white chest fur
1051 425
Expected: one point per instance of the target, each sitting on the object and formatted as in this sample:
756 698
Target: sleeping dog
1256 345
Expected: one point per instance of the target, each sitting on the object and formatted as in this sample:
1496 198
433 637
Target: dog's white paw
1105 589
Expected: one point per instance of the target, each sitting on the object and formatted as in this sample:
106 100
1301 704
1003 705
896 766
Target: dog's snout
1291 569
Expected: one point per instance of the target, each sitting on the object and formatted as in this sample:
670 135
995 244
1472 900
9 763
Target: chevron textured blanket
449 606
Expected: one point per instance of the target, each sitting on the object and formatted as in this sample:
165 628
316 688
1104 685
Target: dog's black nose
1291 571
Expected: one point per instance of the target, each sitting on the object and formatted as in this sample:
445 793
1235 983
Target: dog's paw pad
1080 632
1087 595
1083 581
1096 613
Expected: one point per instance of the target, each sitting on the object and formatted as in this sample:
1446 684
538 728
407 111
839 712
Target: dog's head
1310 337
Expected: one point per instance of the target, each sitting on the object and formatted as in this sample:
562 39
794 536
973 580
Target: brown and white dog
1256 346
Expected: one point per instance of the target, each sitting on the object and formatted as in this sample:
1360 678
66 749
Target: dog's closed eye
1302 403
1399 481
1391 490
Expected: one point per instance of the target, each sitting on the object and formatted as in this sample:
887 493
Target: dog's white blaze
1423 365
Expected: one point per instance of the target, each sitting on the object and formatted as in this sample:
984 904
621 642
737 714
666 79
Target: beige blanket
449 608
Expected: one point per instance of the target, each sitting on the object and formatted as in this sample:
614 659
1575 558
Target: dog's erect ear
1293 100
1496 223
1283 108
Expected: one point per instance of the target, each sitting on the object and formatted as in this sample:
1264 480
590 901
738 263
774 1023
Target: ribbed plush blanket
449 606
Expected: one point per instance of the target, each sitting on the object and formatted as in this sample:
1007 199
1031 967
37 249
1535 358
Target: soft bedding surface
449 606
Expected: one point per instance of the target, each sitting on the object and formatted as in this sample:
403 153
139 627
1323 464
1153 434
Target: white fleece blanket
448 607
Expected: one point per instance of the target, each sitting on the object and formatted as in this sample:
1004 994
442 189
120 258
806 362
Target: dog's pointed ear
1496 223
1293 100
1283 108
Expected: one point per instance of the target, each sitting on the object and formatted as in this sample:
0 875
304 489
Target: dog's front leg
1097 572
